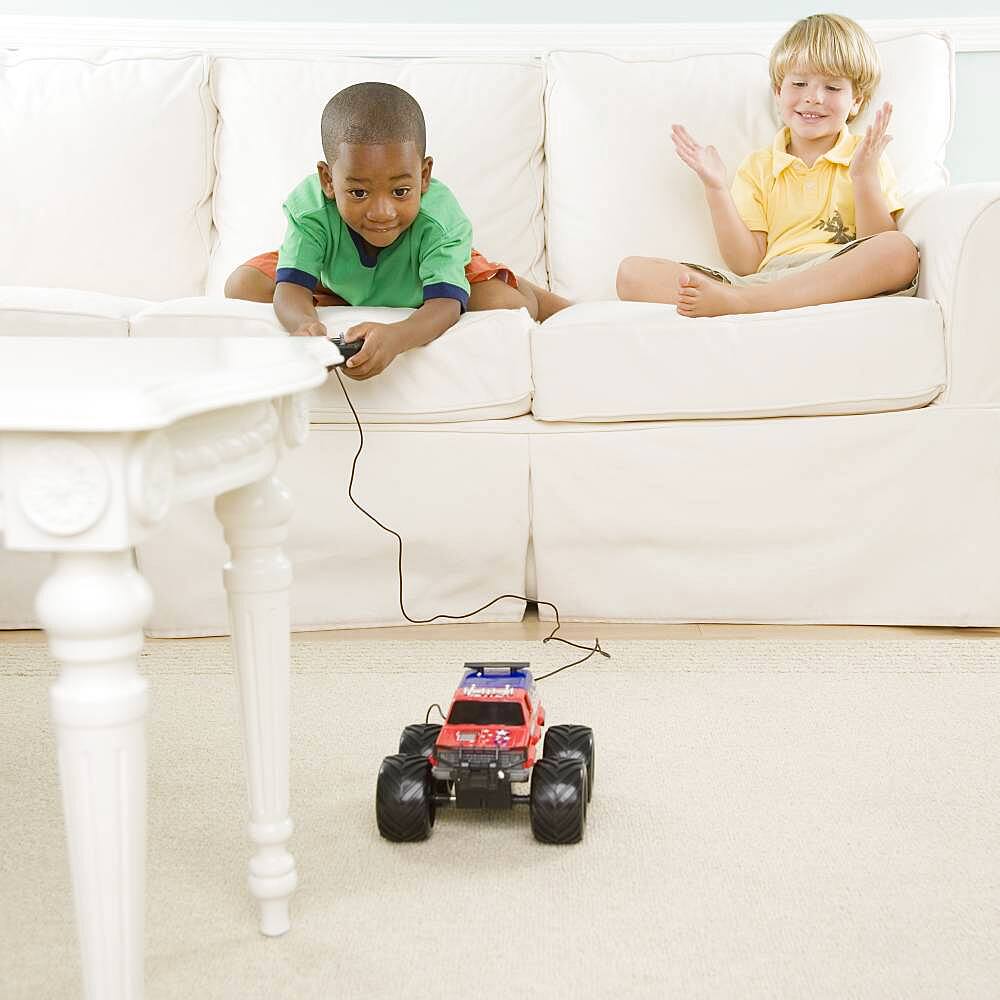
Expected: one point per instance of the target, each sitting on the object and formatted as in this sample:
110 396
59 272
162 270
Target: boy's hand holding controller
381 342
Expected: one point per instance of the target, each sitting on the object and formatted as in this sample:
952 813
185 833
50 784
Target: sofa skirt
458 495
876 519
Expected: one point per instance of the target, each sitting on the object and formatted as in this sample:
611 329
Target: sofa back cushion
106 174
484 131
616 187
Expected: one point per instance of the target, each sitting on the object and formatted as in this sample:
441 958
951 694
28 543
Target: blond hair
832 45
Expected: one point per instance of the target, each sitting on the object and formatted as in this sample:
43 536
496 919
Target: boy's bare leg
884 263
649 279
495 293
250 284
548 303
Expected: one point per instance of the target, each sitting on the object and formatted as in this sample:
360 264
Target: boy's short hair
833 45
370 114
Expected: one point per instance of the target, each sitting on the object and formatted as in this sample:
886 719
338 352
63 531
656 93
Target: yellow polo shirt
804 209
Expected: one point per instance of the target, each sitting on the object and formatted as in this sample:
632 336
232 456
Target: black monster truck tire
558 800
419 738
404 798
572 742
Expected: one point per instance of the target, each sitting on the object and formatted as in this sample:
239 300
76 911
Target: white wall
974 149
504 11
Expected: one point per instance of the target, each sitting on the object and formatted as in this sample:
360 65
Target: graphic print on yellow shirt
835 225
804 209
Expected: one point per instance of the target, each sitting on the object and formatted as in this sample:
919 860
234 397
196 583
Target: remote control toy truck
486 746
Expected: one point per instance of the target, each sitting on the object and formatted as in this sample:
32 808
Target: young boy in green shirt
372 228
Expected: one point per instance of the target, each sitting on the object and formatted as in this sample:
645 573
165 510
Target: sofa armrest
958 232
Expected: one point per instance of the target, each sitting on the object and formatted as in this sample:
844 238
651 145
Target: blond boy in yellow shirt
796 208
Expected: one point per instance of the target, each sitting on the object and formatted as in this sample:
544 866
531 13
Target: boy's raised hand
864 162
703 160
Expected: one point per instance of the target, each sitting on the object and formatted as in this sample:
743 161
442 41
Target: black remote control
348 349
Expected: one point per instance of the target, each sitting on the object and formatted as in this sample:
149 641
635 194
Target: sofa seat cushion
64 312
607 361
480 369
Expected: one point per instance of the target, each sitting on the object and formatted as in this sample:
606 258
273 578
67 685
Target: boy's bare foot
495 293
700 295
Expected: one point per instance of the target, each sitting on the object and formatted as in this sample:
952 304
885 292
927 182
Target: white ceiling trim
970 34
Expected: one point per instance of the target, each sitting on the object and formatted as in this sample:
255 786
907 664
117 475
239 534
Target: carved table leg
257 578
92 606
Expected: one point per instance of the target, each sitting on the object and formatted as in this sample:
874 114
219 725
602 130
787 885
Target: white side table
99 438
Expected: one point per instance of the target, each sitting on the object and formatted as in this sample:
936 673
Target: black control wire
427 717
590 650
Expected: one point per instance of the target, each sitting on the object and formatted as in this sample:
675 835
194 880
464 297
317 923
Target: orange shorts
478 269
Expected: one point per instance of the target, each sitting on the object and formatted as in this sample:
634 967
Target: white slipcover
480 369
728 496
608 361
64 312
108 173
457 494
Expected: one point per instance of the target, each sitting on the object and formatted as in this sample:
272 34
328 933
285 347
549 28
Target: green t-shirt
426 261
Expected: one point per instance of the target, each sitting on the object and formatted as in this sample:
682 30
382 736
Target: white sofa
832 464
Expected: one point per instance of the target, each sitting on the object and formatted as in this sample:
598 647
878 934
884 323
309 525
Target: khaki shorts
789 264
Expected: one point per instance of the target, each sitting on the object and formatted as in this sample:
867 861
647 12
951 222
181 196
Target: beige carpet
798 819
